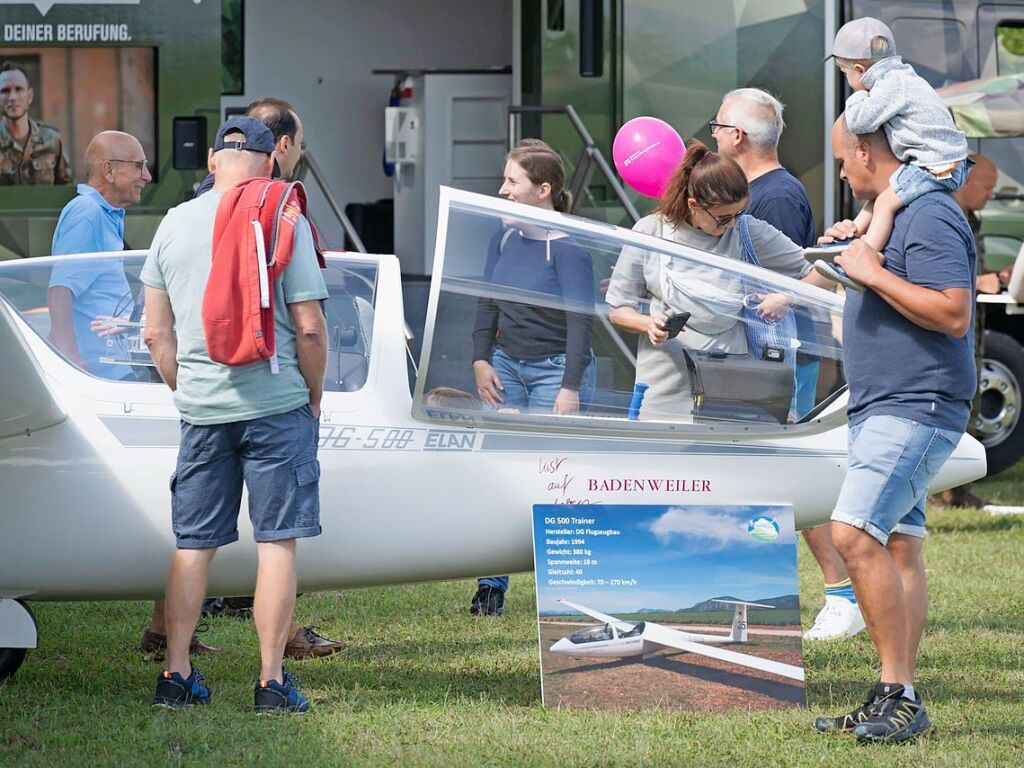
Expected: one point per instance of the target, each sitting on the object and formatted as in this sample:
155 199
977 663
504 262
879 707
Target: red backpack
253 238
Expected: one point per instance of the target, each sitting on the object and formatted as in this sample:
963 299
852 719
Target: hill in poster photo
684 607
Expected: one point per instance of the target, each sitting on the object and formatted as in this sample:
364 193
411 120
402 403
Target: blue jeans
909 181
806 394
891 463
533 385
498 582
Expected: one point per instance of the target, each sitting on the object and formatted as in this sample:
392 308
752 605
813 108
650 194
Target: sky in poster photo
664 557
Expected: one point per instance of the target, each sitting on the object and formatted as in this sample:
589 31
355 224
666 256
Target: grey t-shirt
894 366
208 392
642 277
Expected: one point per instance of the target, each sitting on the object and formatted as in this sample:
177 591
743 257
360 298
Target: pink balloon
646 152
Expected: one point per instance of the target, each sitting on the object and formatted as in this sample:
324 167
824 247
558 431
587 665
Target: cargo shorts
275 457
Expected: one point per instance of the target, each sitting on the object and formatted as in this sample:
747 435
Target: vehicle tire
998 424
12 658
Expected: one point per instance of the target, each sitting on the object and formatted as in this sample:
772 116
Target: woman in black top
535 356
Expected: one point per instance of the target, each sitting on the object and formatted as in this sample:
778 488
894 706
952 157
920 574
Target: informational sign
689 607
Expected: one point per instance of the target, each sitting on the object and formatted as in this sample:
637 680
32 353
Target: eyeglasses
725 219
140 165
714 126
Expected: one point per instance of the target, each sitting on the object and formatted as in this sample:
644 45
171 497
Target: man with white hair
747 128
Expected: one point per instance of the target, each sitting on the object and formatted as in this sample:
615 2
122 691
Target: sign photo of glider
706 611
413 463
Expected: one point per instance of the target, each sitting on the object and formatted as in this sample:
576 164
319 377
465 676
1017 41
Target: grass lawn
424 684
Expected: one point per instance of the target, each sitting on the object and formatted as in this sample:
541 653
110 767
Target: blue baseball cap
258 137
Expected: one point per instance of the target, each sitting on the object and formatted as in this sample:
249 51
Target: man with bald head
251 424
30 152
909 361
93 222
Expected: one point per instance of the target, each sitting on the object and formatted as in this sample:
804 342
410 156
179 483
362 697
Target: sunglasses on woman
725 219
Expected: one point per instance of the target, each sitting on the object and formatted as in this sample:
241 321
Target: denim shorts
911 181
275 456
533 385
892 461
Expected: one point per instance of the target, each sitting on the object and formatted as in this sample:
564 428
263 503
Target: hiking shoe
488 601
836 274
309 644
894 718
851 720
156 644
233 607
174 691
270 696
837 620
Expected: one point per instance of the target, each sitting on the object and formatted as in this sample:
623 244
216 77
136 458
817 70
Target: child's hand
861 262
841 230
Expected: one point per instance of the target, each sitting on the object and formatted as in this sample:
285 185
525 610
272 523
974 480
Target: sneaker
155 644
488 601
894 718
233 607
836 274
174 691
270 696
309 644
837 620
851 720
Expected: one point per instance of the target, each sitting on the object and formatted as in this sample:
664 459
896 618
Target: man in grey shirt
237 422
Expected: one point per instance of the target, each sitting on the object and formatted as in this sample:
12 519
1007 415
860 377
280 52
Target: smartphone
675 323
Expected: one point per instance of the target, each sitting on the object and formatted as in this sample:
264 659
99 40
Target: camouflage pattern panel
974 52
40 161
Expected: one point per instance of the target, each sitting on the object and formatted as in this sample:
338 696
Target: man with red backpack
253 419
305 642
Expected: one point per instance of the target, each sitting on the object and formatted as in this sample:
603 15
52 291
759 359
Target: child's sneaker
836 274
174 691
270 696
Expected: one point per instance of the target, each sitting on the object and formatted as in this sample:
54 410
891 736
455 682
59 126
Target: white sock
908 692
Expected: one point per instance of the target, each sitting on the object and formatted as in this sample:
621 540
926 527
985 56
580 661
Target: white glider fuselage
85 503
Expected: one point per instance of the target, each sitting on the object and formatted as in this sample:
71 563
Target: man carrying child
908 357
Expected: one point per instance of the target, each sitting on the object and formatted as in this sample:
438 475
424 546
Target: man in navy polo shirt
908 350
747 128
93 222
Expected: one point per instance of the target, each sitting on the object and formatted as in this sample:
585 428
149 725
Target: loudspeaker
189 143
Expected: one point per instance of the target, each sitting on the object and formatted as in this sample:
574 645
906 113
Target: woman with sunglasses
700 207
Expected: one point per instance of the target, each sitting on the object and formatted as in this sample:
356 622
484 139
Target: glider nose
562 646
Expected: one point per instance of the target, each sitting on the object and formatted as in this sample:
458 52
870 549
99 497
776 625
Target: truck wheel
11 658
998 424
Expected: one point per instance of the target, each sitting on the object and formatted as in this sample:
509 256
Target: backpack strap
749 254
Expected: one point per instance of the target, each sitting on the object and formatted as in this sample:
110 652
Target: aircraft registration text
347 437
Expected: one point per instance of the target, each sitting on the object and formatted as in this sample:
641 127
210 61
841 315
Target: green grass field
424 684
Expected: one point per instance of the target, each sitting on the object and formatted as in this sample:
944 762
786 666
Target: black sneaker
174 691
852 719
270 696
488 601
894 718
235 607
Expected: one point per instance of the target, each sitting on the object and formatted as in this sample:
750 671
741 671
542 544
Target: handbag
757 386
729 387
